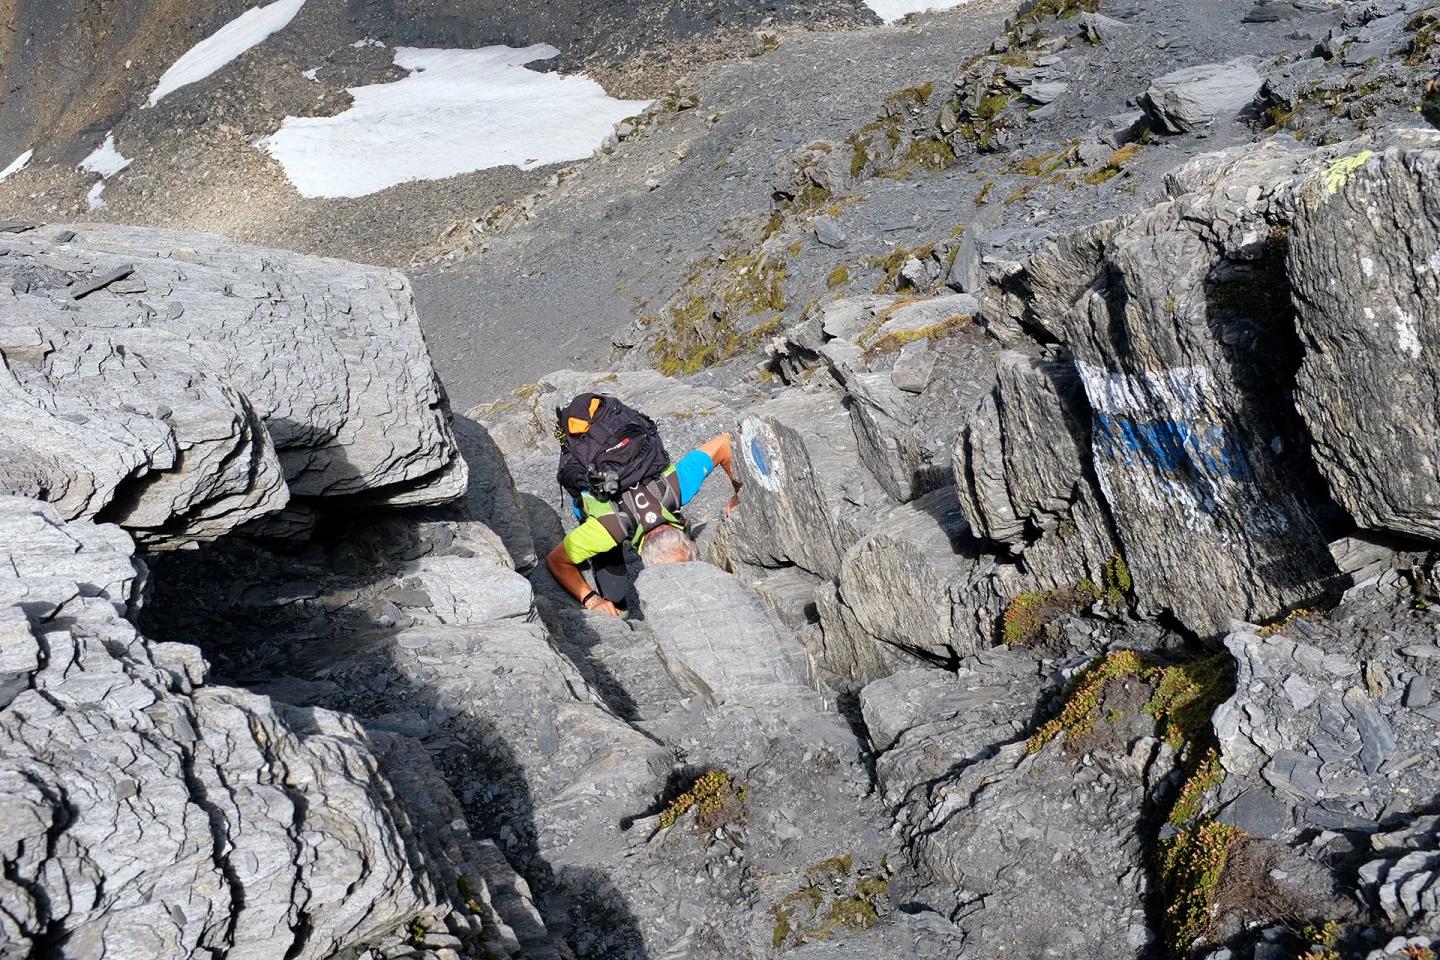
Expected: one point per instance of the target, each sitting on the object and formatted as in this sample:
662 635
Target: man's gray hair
668 545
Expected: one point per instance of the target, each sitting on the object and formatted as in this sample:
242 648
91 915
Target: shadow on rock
360 618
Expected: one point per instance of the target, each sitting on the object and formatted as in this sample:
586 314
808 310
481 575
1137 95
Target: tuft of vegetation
935 332
705 323
1078 716
928 154
834 897
715 798
1113 164
1191 799
1190 866
1046 9
984 193
839 276
916 96
1029 613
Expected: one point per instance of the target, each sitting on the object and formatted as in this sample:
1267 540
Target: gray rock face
1192 98
1319 720
807 496
715 636
178 817
920 581
1188 436
986 831
329 354
133 426
1022 471
1365 301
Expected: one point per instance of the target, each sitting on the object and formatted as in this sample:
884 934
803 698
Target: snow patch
458 111
105 160
892 10
18 164
225 44
312 74
93 197
368 42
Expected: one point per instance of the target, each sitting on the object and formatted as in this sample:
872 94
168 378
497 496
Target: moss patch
715 798
839 276
834 897
1190 867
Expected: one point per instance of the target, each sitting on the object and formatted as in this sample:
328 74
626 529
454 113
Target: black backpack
606 447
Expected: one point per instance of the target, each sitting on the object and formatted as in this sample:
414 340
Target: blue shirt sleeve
692 469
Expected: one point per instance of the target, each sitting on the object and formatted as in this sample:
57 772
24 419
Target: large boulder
1022 471
147 813
1366 288
1194 97
1031 853
807 498
132 426
328 353
923 583
1183 348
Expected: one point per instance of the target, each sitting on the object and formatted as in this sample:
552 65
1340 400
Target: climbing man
623 487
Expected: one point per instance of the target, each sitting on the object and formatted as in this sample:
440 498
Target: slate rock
132 425
1365 308
1192 98
922 582
829 232
250 814
329 354
807 497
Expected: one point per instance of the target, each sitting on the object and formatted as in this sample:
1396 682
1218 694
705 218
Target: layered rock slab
1180 343
1363 262
328 353
132 429
147 813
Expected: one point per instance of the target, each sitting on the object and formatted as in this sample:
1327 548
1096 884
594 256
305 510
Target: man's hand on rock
601 605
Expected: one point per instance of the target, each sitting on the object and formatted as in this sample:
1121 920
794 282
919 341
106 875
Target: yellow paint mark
1339 172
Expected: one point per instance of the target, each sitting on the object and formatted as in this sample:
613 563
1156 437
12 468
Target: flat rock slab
716 635
1190 99
328 353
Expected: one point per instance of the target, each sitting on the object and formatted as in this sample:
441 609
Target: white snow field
225 44
892 10
18 164
458 111
105 159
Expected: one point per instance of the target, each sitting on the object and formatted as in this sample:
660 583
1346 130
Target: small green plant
1191 798
1325 933
711 797
1191 865
1077 717
417 931
840 275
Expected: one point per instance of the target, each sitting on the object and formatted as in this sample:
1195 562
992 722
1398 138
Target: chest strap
641 509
